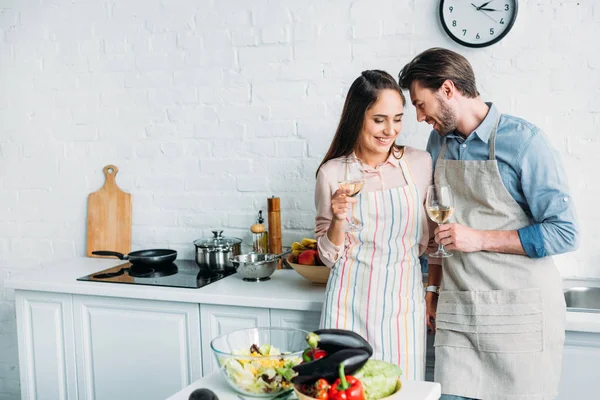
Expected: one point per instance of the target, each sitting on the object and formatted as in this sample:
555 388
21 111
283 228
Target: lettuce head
379 378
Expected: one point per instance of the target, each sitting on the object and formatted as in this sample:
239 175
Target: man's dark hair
434 66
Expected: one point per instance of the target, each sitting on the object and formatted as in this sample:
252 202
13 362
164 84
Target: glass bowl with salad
258 361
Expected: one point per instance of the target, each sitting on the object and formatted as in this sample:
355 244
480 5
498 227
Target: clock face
478 23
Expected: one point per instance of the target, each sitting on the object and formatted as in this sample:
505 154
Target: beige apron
500 317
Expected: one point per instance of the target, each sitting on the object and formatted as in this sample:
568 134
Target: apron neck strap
491 142
443 150
492 139
408 176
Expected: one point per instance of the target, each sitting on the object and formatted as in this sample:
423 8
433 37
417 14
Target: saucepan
256 267
146 258
213 254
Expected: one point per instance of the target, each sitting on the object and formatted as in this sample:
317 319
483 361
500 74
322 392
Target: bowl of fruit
337 365
258 361
306 262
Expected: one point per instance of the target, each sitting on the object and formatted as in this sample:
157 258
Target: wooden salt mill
274 217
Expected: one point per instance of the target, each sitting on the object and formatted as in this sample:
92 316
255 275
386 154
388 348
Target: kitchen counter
411 390
285 290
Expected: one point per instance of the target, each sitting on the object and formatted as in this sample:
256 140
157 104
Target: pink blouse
385 176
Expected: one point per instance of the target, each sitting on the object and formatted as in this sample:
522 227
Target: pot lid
218 241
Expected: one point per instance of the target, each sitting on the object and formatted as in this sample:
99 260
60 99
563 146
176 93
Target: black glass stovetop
181 273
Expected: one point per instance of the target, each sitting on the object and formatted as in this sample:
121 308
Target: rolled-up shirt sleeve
544 183
328 252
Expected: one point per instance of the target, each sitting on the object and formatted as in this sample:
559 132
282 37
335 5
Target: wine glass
352 179
440 206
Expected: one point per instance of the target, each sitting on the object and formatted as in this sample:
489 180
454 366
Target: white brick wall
210 107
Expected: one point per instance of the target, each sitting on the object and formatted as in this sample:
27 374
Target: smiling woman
374 288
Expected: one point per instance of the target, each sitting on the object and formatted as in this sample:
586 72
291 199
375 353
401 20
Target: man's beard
447 118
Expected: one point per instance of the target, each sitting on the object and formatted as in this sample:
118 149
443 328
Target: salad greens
258 371
379 379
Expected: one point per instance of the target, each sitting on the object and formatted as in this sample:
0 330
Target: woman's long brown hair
363 93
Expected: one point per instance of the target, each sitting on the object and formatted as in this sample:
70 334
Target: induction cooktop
181 273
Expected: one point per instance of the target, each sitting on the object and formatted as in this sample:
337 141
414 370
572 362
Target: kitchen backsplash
210 107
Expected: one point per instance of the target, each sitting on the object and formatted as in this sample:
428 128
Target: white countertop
411 390
285 290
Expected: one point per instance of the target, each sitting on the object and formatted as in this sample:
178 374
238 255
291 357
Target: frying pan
143 257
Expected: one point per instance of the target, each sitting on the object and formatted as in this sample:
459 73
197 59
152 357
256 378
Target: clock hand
487 15
483 5
488 9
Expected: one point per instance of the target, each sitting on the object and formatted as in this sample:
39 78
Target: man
500 313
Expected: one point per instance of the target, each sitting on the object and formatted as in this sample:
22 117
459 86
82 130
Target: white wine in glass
353 187
440 206
352 180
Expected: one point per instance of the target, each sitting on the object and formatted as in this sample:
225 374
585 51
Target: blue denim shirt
531 171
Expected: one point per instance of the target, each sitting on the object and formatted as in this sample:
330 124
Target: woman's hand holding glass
341 205
350 182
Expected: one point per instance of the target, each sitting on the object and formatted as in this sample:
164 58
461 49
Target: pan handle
121 256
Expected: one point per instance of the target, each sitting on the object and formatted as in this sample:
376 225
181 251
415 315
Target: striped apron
375 289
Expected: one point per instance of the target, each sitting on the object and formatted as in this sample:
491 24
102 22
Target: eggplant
203 394
328 366
333 340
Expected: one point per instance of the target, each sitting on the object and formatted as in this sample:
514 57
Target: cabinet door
46 345
135 349
218 320
581 358
306 320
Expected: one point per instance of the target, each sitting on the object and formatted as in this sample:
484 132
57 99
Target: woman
375 286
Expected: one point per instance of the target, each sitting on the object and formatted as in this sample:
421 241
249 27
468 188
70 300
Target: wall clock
477 23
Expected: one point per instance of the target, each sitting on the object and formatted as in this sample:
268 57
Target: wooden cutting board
109 217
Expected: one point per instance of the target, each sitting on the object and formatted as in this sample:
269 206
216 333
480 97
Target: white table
411 390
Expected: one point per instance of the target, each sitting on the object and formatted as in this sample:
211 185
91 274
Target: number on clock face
477 23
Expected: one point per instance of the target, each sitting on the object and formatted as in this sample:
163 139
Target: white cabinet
46 346
218 320
135 349
78 347
580 367
306 320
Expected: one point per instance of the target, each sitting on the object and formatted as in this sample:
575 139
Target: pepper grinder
260 238
273 208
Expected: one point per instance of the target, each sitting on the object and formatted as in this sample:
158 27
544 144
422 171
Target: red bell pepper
346 387
311 354
318 353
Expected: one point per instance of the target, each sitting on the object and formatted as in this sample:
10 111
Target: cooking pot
213 254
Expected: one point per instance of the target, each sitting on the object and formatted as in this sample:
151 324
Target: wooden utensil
109 217
274 214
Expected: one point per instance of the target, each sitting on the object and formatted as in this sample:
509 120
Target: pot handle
121 256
